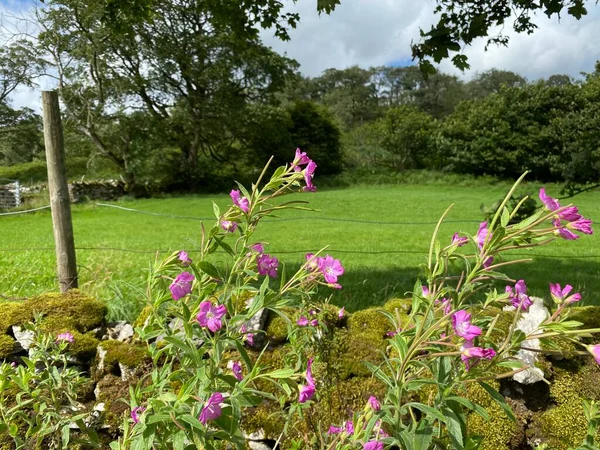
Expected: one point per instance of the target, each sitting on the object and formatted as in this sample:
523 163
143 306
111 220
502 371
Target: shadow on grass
364 288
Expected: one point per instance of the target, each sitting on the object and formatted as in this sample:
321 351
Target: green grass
387 265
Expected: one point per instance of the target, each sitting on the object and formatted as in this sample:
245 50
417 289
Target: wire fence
287 251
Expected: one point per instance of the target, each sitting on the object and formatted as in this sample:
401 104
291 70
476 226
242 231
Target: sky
379 32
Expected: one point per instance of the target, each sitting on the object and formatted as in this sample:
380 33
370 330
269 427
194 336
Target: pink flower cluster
330 267
241 202
210 316
461 322
65 337
560 295
348 428
300 160
518 295
569 214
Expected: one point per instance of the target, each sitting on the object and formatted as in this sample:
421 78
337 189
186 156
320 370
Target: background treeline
191 99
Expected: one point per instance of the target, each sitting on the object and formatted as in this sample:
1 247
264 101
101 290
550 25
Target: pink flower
582 225
65 337
374 403
569 213
302 321
312 263
236 368
307 391
212 408
563 232
488 262
373 445
243 203
135 414
342 312
519 295
391 333
267 265
184 258
258 248
550 203
559 294
468 352
334 430
461 322
482 234
181 285
308 176
331 268
349 427
314 322
210 316
300 159
13 364
446 304
425 290
459 240
229 226
380 431
595 351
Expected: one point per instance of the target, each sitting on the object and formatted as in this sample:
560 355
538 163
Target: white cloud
376 32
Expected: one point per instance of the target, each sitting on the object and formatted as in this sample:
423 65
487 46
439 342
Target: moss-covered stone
276 329
7 346
588 315
402 305
112 391
128 354
369 322
84 345
13 313
71 310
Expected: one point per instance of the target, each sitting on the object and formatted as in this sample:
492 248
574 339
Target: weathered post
59 192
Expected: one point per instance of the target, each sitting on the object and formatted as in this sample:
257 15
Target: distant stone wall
96 190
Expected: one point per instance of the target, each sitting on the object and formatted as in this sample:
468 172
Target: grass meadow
380 233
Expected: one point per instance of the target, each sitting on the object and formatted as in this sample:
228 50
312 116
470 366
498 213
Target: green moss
121 352
71 310
497 433
14 313
588 315
112 392
369 322
403 305
7 346
276 329
141 319
84 346
563 426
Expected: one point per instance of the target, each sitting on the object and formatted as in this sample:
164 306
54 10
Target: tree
406 136
19 66
491 81
21 138
193 66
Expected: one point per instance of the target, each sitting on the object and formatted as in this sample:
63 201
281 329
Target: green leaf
279 373
505 218
499 399
179 440
65 434
217 211
208 269
436 414
470 405
155 418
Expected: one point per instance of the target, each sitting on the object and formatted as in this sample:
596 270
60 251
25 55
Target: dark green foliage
316 134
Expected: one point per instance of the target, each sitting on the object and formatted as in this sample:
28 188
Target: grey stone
119 331
23 337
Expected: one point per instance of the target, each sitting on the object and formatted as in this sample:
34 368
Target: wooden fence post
59 192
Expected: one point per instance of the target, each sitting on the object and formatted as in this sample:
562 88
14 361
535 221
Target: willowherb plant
38 398
199 331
